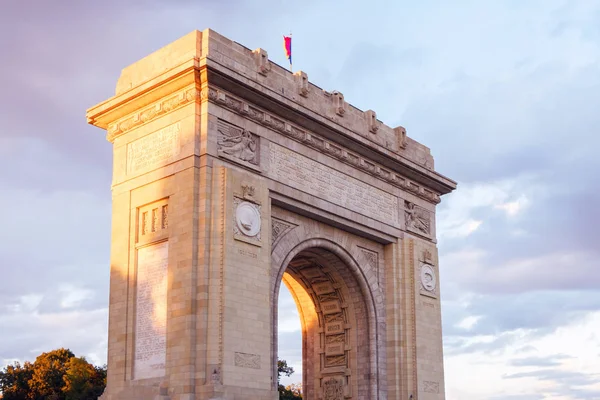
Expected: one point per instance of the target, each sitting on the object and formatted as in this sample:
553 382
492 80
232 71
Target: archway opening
334 325
290 339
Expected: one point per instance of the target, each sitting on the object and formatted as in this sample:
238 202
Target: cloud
563 382
289 336
505 95
552 271
26 334
524 361
512 208
518 397
468 323
552 360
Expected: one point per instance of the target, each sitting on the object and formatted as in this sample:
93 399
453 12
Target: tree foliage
59 375
14 381
283 368
290 392
56 375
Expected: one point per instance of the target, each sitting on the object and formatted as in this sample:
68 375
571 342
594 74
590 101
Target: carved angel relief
417 219
237 143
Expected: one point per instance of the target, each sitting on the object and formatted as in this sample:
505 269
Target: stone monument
232 175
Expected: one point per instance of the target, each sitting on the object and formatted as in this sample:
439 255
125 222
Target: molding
318 214
333 127
149 113
296 133
413 314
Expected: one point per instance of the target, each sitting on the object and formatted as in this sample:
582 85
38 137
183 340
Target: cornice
270 120
265 97
147 114
317 142
130 102
180 86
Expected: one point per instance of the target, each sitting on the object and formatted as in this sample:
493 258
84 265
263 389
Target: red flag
287 46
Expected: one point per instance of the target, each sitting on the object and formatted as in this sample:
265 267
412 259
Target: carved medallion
247 218
428 279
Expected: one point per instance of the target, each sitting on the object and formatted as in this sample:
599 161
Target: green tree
291 392
83 381
14 381
283 368
56 375
48 371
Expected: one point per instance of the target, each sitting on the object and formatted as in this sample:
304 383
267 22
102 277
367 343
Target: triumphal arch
233 175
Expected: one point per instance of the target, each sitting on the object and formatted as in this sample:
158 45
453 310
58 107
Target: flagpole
291 69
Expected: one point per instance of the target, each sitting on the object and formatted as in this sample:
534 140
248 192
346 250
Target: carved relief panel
246 360
333 389
372 260
237 144
278 229
418 220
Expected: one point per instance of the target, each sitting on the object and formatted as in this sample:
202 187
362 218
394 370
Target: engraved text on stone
322 181
151 312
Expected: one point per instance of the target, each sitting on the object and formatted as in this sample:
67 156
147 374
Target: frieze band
320 144
149 113
193 94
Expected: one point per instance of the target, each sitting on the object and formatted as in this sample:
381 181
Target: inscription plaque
308 175
331 307
311 273
334 349
153 150
323 288
151 312
334 328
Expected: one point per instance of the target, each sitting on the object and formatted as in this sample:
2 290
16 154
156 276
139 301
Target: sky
504 92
